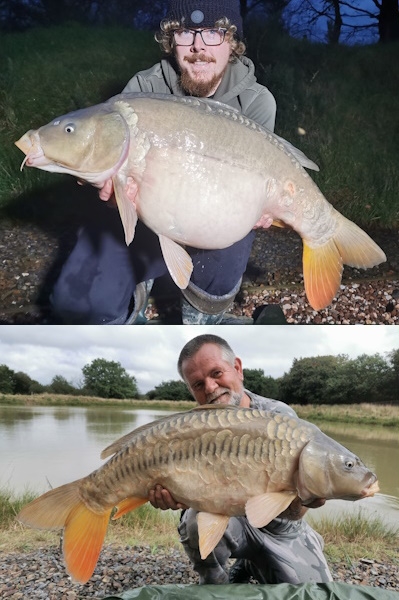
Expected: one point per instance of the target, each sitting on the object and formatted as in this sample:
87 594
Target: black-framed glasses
210 37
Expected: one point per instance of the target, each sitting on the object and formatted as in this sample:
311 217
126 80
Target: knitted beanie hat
205 13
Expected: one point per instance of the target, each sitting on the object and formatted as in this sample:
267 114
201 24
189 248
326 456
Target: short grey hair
192 347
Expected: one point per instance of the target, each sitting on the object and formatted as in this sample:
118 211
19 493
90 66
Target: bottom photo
199 462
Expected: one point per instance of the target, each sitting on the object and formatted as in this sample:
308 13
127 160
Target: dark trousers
98 279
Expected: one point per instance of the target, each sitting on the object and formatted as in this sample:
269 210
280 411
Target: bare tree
344 20
388 20
334 26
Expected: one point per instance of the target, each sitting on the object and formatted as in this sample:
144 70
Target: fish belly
199 201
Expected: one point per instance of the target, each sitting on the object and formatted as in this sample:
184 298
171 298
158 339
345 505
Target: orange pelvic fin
84 530
323 265
128 505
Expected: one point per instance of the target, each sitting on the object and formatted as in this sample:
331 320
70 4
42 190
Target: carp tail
323 265
356 247
84 530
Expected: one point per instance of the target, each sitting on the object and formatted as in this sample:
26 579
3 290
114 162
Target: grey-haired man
287 550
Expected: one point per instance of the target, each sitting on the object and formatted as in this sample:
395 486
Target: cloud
150 352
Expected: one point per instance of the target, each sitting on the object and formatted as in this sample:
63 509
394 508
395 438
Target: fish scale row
150 458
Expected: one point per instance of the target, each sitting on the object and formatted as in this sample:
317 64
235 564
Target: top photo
199 163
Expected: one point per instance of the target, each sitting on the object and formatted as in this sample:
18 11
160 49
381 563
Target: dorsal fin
121 442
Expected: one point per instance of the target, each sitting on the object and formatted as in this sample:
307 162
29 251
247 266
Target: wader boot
201 308
140 297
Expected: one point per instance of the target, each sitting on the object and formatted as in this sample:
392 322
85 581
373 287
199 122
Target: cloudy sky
150 352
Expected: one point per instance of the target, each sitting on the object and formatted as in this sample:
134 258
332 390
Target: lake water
48 446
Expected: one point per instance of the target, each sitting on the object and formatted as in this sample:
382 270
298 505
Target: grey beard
235 399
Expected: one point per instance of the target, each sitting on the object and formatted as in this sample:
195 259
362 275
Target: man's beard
235 397
195 87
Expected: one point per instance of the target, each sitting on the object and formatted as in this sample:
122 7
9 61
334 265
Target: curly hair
165 39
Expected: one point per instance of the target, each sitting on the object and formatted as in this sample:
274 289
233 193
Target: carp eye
349 464
70 128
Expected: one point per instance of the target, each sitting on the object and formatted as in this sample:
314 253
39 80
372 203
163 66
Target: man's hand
264 222
159 497
316 503
106 191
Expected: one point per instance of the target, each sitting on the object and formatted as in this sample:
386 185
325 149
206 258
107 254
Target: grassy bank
87 401
359 414
366 414
347 538
343 98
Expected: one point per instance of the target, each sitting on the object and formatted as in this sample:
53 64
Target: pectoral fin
210 531
128 505
260 510
125 194
177 260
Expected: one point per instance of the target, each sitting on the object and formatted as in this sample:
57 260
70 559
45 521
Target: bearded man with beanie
105 282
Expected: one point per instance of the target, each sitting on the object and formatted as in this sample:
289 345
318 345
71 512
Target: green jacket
238 88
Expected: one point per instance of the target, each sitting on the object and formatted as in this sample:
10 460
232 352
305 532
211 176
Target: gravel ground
31 259
40 574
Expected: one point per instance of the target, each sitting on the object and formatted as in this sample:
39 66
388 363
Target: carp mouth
29 144
371 489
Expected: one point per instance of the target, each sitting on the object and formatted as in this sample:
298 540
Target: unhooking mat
281 591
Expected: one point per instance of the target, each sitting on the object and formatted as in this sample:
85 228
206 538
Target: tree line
314 380
344 19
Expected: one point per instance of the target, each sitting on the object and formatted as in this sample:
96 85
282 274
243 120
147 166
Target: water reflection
49 446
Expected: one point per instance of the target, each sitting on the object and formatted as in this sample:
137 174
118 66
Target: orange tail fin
83 539
322 272
322 265
84 530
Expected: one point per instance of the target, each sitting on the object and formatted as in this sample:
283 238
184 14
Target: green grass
65 400
351 537
359 414
146 525
46 72
344 98
346 538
